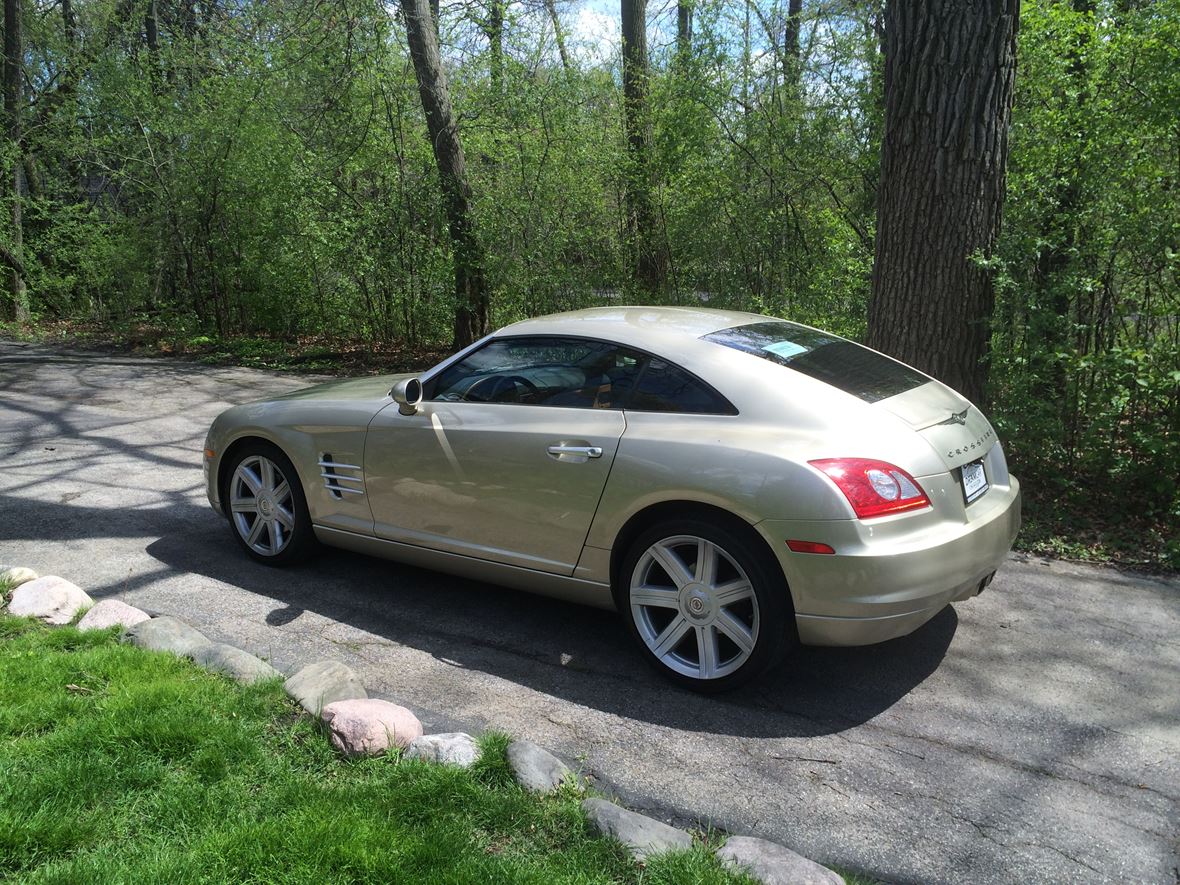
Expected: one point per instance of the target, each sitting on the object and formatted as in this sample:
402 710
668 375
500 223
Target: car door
506 457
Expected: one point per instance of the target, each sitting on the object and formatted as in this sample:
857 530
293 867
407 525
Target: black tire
765 614
297 541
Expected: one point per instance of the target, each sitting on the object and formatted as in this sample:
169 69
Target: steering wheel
499 385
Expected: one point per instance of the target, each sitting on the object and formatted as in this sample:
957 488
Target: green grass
120 765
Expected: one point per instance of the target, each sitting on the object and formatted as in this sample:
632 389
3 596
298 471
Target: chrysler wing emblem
956 418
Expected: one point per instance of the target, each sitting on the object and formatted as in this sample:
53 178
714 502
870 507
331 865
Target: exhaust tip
984 583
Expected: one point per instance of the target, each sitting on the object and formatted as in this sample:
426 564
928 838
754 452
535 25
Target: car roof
642 327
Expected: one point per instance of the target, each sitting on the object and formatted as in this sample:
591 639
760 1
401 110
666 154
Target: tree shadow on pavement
580 654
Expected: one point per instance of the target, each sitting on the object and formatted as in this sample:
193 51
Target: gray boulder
536 769
238 665
323 683
110 612
167 634
54 600
453 748
643 836
773 864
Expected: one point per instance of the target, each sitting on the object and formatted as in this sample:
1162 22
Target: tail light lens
874 488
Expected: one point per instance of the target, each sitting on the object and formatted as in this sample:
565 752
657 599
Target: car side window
664 387
565 372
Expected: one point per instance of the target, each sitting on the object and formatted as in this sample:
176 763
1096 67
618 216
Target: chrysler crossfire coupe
732 484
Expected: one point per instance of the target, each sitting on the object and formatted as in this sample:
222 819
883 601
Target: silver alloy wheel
694 607
262 507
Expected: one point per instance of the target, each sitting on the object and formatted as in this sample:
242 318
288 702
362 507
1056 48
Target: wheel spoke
243 505
268 474
671 636
672 564
706 567
738 632
282 492
660 597
276 535
255 531
707 650
734 591
285 517
253 482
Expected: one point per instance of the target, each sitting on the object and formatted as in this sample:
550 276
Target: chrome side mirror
407 394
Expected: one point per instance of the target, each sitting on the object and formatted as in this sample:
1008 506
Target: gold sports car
733 484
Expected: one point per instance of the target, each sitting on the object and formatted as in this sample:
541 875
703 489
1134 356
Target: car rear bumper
884 582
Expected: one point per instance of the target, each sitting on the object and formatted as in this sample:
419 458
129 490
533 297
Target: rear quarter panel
753 464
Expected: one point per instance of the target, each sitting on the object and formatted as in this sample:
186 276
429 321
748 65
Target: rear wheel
709 608
266 506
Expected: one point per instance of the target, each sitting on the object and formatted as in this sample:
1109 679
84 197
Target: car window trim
429 382
627 407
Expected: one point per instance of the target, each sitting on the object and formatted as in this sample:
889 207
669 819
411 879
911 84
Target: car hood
953 427
373 387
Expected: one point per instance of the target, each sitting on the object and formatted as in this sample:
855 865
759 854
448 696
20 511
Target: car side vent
337 478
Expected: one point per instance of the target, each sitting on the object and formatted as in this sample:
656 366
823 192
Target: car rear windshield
847 366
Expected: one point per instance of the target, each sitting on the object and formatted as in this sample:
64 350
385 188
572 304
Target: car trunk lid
954 428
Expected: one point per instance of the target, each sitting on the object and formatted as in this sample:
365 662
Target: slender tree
791 47
492 25
650 262
950 66
471 290
558 35
684 26
1060 230
14 176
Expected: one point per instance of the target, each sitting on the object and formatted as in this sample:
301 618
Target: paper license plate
974 480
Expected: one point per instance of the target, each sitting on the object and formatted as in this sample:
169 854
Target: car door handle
584 451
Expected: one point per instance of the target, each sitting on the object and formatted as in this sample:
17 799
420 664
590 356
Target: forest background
254 181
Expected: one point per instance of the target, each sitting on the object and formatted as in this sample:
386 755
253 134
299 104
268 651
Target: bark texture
950 66
650 263
471 292
14 174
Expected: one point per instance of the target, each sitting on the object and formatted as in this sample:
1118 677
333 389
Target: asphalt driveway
1031 734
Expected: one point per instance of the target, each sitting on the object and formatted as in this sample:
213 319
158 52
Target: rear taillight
874 488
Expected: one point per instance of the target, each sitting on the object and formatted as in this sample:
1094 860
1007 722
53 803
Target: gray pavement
1031 734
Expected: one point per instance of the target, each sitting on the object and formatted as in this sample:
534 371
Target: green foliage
262 180
1086 374
124 765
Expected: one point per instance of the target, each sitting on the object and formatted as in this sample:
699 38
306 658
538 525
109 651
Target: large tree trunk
471 292
14 175
650 263
949 72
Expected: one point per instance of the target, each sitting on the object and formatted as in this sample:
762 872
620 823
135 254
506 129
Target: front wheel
709 608
266 506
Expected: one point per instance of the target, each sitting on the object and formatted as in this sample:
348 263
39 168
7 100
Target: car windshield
843 364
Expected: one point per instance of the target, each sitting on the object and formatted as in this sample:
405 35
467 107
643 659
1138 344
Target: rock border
358 725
